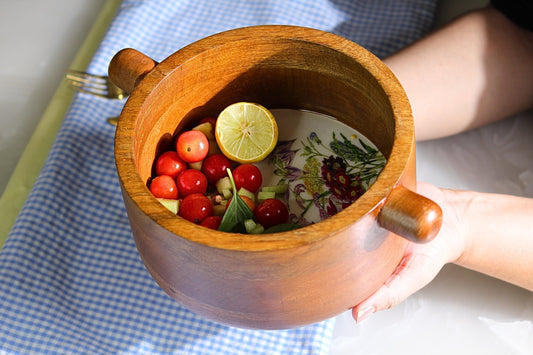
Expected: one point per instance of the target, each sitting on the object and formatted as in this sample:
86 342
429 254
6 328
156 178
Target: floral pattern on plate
327 167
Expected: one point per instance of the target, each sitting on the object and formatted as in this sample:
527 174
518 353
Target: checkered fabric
71 280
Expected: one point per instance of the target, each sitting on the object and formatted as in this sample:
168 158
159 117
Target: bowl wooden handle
128 67
410 215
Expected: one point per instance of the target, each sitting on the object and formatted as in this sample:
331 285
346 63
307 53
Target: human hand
421 262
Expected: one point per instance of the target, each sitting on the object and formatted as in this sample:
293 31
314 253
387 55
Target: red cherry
164 186
195 208
191 181
212 222
248 176
169 163
192 146
271 212
215 167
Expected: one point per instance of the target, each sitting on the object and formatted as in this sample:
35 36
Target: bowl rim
369 203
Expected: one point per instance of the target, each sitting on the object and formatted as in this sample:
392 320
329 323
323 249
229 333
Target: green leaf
284 227
237 211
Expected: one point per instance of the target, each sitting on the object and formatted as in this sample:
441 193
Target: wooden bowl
288 279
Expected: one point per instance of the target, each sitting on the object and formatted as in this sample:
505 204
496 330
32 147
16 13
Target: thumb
412 273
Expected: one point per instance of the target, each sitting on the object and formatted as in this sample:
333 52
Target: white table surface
460 312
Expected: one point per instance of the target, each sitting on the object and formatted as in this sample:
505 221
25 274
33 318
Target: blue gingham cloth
71 280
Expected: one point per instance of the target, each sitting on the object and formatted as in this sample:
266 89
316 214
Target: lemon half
246 132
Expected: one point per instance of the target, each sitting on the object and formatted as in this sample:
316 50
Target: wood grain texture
410 215
281 280
129 66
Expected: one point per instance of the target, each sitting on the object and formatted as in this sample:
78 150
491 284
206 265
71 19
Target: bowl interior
324 74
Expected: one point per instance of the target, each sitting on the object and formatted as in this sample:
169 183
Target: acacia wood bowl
287 279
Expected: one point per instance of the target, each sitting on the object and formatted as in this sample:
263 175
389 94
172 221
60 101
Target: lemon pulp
246 132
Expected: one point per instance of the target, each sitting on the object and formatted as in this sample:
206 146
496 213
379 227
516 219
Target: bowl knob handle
410 215
128 67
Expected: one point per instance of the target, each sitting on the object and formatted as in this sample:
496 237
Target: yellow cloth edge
35 153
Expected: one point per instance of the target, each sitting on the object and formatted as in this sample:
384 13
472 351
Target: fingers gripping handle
410 215
128 67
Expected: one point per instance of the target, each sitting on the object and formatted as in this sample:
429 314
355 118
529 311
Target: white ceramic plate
326 164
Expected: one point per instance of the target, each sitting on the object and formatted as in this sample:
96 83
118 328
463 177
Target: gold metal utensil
97 85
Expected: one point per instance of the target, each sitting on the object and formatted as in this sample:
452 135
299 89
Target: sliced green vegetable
252 227
277 189
223 184
263 195
247 193
218 210
237 211
171 205
259 229
227 194
249 224
197 165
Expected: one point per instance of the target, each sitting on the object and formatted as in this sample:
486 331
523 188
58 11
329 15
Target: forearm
498 236
475 70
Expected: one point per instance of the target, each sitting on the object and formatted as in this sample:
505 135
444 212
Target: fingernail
364 314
